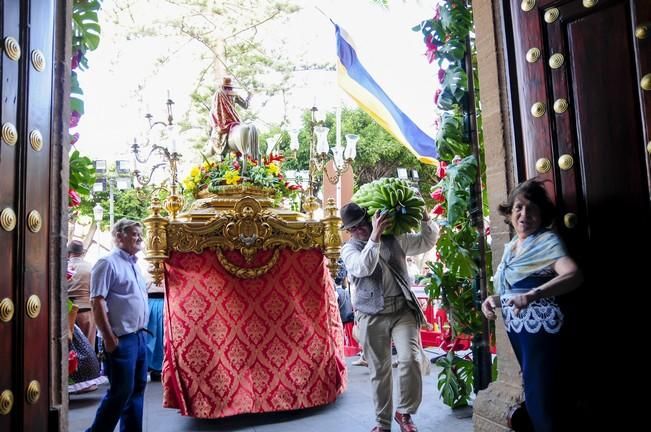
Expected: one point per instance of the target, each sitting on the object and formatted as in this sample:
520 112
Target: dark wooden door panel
9 204
609 128
35 192
604 129
25 189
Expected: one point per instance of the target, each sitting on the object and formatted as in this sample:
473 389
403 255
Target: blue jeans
126 369
155 339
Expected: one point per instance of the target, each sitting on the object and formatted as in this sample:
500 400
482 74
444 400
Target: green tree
378 153
127 203
228 38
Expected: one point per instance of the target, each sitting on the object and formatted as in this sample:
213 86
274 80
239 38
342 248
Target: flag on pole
360 85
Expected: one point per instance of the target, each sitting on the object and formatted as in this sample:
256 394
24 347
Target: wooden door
581 119
29 210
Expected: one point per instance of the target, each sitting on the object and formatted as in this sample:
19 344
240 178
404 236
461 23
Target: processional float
251 319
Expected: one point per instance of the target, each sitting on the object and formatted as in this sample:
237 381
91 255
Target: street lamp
321 154
409 175
110 179
98 214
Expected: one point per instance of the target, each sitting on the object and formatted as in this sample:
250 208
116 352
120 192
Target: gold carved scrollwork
156 241
332 239
249 228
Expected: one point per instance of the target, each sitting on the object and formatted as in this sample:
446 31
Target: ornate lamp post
321 154
174 202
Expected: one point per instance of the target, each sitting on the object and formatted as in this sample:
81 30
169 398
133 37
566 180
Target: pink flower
74 138
442 73
73 362
487 231
438 195
429 42
74 119
438 209
431 55
76 59
74 199
437 14
442 169
437 95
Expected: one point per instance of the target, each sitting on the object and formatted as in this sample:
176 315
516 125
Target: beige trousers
86 323
398 323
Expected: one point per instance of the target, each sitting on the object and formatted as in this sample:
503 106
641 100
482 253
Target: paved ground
351 412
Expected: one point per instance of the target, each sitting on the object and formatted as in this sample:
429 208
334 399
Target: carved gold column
331 235
156 241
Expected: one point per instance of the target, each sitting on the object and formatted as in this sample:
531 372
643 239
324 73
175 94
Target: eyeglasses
354 228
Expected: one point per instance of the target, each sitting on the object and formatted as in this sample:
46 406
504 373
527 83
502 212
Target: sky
120 85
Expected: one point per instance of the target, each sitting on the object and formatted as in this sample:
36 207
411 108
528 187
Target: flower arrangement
266 174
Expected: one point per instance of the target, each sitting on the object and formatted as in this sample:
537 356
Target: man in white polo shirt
119 300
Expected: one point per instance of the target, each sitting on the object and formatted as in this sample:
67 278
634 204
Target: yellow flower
195 171
273 169
189 185
206 165
232 177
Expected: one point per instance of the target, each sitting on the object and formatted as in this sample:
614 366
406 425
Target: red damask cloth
235 346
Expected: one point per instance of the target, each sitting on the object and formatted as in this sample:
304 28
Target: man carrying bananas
387 308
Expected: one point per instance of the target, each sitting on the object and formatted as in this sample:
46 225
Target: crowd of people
374 291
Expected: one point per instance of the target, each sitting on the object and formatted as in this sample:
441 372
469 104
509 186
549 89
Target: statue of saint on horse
228 133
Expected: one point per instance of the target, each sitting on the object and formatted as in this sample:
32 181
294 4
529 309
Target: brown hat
227 82
76 247
351 215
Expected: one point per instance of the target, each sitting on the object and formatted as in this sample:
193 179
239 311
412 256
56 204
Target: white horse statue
228 133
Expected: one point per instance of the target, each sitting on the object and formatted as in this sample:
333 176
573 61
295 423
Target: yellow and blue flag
359 84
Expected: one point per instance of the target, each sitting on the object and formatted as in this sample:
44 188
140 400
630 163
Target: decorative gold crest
248 227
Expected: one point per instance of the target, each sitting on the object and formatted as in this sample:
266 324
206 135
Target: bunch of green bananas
395 196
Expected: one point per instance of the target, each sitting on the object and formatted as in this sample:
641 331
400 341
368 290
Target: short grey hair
122 226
